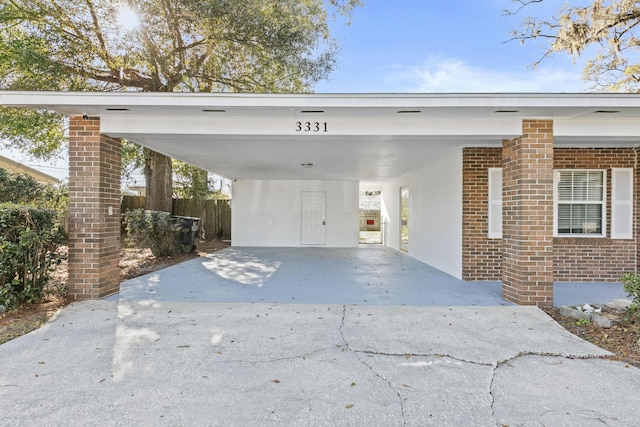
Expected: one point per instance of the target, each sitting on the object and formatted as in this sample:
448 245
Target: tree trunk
158 175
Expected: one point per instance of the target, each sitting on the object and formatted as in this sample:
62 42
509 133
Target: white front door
313 218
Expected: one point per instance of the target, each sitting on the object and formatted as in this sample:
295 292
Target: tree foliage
158 46
609 27
193 182
19 188
175 45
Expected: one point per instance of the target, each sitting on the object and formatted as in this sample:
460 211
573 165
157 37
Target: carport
298 162
371 275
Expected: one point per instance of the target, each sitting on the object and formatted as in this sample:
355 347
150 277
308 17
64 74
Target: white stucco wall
435 212
269 212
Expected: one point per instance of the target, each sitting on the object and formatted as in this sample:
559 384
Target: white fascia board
597 127
501 128
74 102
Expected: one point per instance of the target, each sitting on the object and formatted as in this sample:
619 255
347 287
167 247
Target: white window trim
495 205
556 180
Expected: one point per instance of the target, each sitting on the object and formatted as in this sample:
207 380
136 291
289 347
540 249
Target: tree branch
523 4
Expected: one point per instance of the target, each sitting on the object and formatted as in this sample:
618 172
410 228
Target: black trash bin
186 230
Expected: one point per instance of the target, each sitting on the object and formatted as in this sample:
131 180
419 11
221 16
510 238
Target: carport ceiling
371 158
369 137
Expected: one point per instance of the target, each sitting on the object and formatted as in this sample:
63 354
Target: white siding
435 212
269 213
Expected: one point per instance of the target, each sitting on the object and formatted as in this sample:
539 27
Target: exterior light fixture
116 109
506 111
607 111
312 111
409 111
214 111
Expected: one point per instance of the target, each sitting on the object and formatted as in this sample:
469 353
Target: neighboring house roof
18 167
354 137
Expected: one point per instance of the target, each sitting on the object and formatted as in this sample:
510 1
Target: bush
631 285
150 229
29 237
19 188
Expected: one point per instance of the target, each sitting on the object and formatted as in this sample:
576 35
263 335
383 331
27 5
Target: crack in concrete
385 380
496 365
547 354
522 354
280 359
438 355
493 397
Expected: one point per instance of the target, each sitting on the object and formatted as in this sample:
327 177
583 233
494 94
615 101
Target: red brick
94 187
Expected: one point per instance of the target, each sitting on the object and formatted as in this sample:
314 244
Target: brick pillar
636 206
94 210
527 229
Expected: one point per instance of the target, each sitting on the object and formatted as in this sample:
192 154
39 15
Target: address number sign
311 127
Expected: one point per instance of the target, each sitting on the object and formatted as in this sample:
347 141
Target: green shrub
150 229
19 188
29 237
22 189
631 285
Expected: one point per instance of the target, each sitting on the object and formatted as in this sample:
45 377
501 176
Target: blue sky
399 46
445 46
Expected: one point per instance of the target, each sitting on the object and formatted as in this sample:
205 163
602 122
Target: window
579 202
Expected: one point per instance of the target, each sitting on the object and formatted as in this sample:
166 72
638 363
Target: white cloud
455 75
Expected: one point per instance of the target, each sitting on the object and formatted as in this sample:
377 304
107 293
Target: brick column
527 229
94 210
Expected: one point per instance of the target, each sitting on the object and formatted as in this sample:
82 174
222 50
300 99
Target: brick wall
594 259
481 257
94 210
607 259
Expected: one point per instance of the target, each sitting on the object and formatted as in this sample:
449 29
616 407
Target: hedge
29 237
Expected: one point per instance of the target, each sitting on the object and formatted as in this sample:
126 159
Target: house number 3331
311 127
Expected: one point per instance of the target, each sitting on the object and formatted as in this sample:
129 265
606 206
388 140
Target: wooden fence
215 215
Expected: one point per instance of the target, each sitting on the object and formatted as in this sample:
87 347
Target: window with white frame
579 201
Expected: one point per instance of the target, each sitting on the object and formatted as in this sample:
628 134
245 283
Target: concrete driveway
219 364
158 361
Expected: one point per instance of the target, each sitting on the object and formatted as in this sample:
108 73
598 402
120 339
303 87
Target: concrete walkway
161 359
